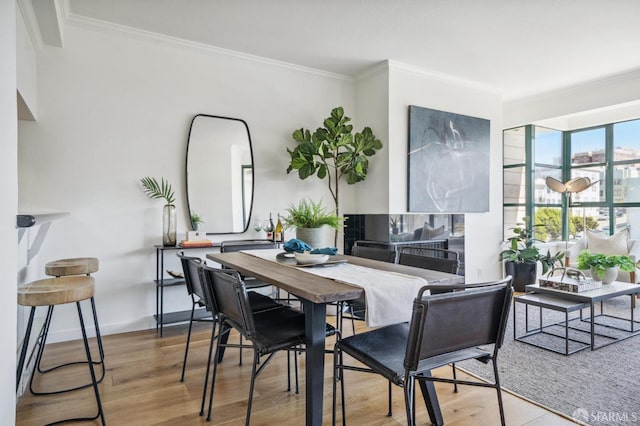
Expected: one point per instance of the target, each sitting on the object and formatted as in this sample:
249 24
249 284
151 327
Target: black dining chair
430 258
195 290
195 287
268 331
229 246
445 328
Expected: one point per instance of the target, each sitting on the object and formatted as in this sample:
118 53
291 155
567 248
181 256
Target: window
608 155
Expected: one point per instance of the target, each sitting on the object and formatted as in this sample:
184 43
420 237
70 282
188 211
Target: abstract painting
448 164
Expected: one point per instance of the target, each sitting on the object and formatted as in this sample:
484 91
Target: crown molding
400 66
622 78
104 26
29 15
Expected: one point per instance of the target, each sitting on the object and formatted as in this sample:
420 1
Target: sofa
618 244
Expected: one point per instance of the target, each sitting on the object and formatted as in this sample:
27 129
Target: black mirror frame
253 178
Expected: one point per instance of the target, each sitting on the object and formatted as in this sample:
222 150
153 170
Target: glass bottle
279 232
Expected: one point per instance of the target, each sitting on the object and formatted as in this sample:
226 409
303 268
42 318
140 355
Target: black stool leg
25 344
94 382
43 340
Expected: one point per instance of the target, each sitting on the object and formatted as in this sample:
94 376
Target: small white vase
608 276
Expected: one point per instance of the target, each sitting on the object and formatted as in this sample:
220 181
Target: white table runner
389 295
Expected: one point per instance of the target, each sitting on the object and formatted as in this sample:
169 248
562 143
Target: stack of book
196 243
570 284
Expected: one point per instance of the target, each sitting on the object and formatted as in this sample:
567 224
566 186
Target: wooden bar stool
57 291
60 268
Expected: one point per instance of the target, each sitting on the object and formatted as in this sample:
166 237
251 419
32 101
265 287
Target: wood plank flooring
142 387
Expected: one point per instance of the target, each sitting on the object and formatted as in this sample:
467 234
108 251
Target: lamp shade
574 185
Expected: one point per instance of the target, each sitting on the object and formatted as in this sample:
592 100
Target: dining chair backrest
430 258
237 245
374 253
448 322
229 296
192 277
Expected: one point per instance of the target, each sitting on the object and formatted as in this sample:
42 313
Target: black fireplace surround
397 230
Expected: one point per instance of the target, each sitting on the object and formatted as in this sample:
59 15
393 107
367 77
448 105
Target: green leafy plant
601 262
153 189
309 214
333 152
196 219
522 248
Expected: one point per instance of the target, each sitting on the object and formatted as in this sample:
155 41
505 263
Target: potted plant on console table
604 267
308 217
522 257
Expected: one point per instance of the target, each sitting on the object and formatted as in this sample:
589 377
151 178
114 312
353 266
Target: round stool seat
74 266
56 291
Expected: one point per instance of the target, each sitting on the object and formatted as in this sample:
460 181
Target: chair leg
186 348
499 391
390 411
455 384
224 331
338 376
288 371
252 386
409 388
295 368
206 376
334 387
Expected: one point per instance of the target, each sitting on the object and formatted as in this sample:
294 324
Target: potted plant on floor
309 217
604 267
522 257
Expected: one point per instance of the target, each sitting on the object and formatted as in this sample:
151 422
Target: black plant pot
523 274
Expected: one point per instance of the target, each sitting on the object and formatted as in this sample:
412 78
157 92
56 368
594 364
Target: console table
161 282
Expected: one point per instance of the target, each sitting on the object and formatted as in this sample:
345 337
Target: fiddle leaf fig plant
333 152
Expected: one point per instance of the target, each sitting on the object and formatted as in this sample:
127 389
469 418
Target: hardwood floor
142 387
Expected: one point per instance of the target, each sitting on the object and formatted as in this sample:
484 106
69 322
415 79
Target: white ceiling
519 47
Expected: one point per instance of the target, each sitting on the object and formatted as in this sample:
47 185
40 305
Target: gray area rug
600 387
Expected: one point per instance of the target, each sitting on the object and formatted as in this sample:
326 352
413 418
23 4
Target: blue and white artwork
448 162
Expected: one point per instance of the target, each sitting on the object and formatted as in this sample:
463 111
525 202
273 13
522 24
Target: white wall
26 78
372 105
9 197
114 107
408 86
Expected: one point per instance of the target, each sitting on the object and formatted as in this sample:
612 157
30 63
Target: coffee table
555 299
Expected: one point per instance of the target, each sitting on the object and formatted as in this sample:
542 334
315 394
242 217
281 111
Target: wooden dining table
315 292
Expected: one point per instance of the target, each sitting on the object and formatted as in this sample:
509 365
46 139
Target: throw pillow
429 232
614 244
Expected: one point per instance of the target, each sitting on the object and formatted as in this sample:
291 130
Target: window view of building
609 156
